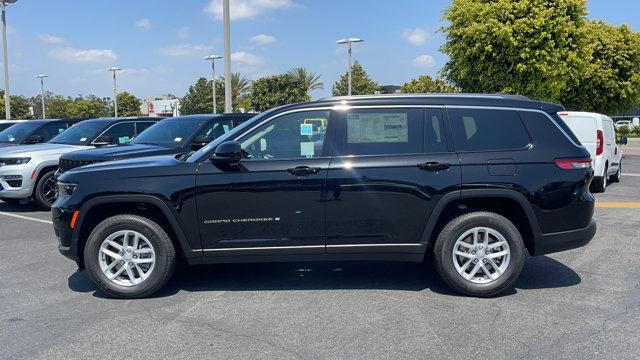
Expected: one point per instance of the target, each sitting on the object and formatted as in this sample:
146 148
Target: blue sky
160 43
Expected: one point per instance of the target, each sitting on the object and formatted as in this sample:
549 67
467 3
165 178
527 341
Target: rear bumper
566 240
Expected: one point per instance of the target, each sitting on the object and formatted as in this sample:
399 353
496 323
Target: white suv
598 134
27 172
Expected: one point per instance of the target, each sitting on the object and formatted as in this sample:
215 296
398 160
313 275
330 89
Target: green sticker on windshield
226 128
123 140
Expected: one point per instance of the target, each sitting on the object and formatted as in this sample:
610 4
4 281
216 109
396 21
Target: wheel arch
508 203
99 208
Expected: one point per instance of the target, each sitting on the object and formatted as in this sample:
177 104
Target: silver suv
27 172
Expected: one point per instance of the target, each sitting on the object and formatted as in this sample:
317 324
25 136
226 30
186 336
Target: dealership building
165 105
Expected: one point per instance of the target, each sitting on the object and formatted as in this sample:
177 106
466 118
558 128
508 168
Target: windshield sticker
60 131
306 129
178 139
307 149
83 139
226 128
123 139
12 139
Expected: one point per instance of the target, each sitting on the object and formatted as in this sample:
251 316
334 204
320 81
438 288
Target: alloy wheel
127 258
481 255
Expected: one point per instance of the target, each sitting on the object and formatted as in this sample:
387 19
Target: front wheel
479 254
129 256
45 193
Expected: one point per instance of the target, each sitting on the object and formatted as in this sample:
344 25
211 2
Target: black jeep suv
175 135
477 181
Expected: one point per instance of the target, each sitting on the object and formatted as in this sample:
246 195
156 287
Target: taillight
572 164
599 143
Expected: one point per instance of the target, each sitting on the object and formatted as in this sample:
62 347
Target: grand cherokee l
477 181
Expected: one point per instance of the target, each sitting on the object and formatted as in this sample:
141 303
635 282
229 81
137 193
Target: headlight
14 161
66 189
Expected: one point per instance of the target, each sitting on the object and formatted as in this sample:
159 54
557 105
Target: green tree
311 80
90 107
426 84
527 47
271 91
198 98
19 107
128 105
361 83
610 82
58 107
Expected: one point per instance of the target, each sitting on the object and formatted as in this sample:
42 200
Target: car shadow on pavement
17 208
538 273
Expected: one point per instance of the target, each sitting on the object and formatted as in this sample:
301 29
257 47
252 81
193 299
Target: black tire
618 175
599 184
42 193
444 247
165 255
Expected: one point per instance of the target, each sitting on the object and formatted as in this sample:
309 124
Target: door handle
303 170
434 166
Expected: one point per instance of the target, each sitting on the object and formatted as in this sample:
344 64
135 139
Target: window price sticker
306 129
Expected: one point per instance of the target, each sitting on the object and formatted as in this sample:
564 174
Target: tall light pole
228 107
349 41
213 59
7 102
115 89
41 77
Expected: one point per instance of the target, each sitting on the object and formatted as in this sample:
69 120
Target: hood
41 149
120 152
130 167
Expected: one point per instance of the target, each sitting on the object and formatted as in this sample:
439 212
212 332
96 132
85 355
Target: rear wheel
618 175
45 192
599 184
129 256
479 254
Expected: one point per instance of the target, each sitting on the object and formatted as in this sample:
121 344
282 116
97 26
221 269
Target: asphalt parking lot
583 303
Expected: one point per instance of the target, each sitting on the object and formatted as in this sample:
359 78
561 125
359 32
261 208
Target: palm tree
240 85
310 80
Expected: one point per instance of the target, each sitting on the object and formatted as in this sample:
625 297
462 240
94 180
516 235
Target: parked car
597 133
476 181
27 172
6 123
174 135
33 132
620 123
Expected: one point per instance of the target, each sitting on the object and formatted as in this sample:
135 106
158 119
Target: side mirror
229 152
200 141
623 140
34 139
103 141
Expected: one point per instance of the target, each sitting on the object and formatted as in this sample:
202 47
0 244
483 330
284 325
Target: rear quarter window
488 130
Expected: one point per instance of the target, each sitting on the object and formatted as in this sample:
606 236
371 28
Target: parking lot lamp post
228 106
213 59
349 41
41 77
5 63
115 89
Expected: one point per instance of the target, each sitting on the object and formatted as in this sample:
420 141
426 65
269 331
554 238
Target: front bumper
67 244
8 173
566 240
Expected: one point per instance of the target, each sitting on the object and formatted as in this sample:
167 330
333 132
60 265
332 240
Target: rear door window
143 125
487 130
382 131
49 131
121 133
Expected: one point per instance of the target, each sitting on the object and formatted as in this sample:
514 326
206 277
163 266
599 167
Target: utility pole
41 77
7 99
115 69
349 41
228 106
213 59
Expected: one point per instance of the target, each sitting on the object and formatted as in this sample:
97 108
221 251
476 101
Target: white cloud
245 9
143 24
245 58
188 50
50 39
425 61
263 39
184 32
72 55
416 36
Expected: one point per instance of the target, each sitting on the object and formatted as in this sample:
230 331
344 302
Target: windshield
4 126
169 133
81 134
18 133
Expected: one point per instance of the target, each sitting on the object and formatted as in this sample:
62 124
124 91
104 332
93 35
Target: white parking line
635 175
26 218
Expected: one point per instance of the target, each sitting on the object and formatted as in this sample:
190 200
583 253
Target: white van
598 134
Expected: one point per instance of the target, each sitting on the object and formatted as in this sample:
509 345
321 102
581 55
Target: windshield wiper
147 143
